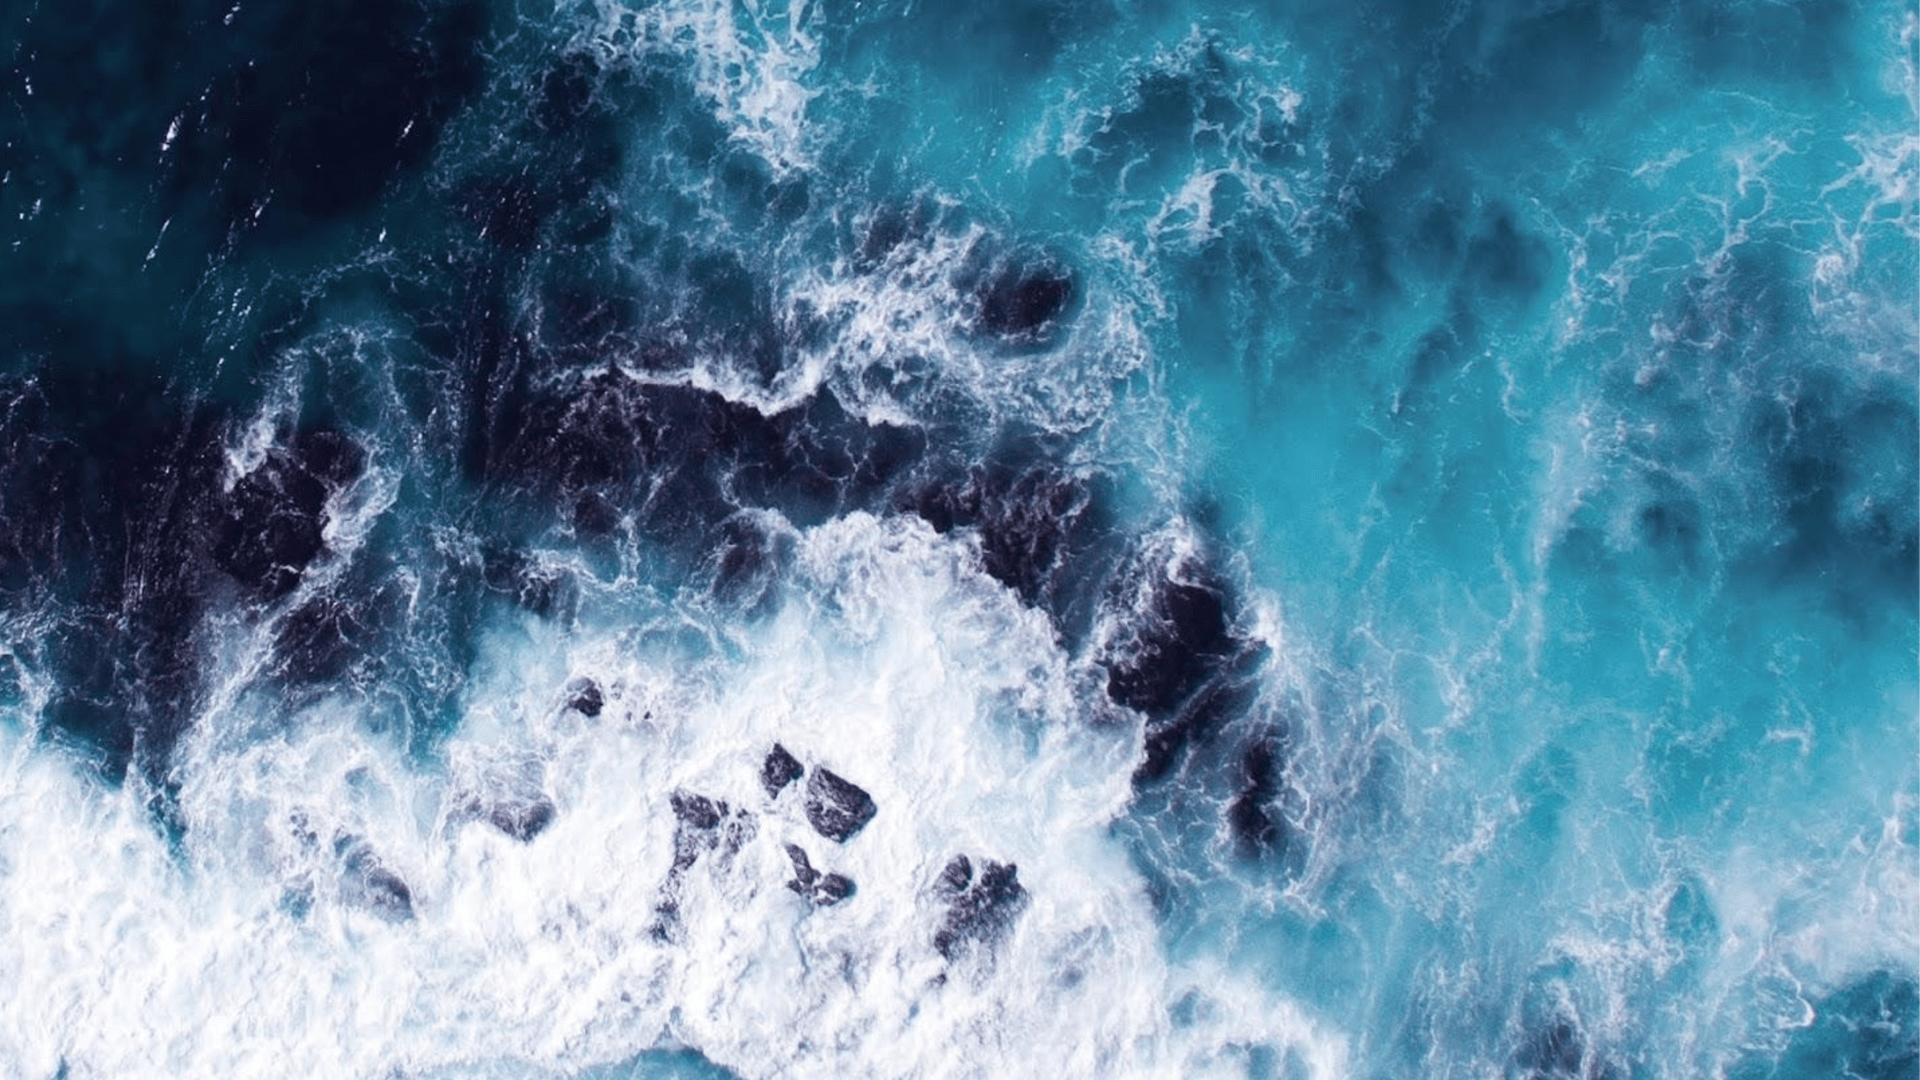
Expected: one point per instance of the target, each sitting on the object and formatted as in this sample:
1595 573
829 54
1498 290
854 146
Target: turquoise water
1335 539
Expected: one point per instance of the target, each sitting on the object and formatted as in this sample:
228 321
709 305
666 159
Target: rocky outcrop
837 808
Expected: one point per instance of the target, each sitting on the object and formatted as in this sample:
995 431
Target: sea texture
880 538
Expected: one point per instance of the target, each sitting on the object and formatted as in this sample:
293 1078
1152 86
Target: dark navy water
1077 537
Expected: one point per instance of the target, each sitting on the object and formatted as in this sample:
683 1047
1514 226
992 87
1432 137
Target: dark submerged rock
522 819
684 460
388 896
1180 663
1504 261
367 884
824 890
804 875
1868 1028
593 515
747 559
270 525
696 811
1170 737
1033 517
887 227
836 808
543 590
584 697
779 769
956 875
329 636
982 910
566 93
1554 1052
1022 298
832 889
704 825
1250 815
1182 640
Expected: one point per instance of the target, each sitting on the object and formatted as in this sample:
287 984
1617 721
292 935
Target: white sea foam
1246 108
751 60
901 341
899 345
893 661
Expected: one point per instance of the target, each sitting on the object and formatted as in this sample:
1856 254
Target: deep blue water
1085 537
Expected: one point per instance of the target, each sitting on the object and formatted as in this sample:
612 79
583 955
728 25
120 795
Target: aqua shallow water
1338 540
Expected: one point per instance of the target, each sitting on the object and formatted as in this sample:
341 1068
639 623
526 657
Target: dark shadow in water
1867 1030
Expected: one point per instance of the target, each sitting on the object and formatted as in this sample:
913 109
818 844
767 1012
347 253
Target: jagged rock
522 819
1034 518
832 889
1181 662
1022 299
958 872
779 770
825 890
273 521
804 875
837 808
1250 816
367 884
704 825
981 910
697 811
583 697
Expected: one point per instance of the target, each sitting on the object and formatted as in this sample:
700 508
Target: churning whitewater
1088 538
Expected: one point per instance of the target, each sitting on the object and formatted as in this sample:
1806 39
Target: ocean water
1099 538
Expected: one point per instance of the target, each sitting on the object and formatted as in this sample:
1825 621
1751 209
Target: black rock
746 560
957 875
1170 737
1180 663
522 819
704 825
836 808
593 515
680 462
388 896
1022 299
366 883
779 770
983 910
273 520
804 875
825 890
323 639
1183 639
832 889
887 228
583 697
1249 815
1033 517
539 588
696 811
